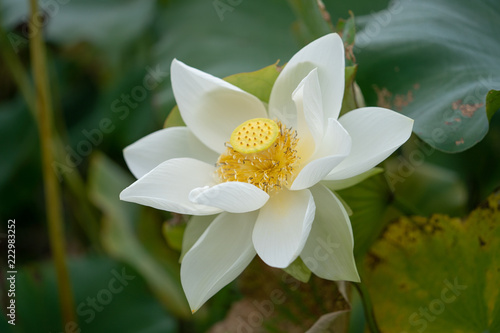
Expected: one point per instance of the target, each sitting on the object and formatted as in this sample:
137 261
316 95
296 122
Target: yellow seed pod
254 135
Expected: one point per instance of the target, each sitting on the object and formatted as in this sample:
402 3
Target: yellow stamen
254 135
269 165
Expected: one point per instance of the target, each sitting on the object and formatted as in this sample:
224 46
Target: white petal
336 140
334 148
218 257
376 133
283 226
315 171
233 197
310 127
148 152
327 55
328 252
167 187
195 227
211 107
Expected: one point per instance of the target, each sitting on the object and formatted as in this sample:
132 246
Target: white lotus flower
251 173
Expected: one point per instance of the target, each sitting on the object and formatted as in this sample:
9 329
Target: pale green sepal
299 270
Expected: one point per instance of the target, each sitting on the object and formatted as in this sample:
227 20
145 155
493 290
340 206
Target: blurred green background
108 64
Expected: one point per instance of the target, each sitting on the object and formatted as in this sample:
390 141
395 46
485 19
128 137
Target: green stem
85 213
43 107
368 307
311 16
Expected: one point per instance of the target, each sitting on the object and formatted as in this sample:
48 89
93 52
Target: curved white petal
218 257
376 133
148 152
327 55
333 149
283 226
233 197
310 127
328 252
195 227
315 171
167 187
211 107
336 140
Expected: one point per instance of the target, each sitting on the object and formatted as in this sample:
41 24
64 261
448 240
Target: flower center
260 152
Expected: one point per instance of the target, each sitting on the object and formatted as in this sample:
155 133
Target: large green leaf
439 274
105 293
435 61
425 188
369 202
119 238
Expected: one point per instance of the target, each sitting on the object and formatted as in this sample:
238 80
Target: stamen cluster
269 169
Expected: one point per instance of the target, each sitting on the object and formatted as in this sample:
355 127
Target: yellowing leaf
439 274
